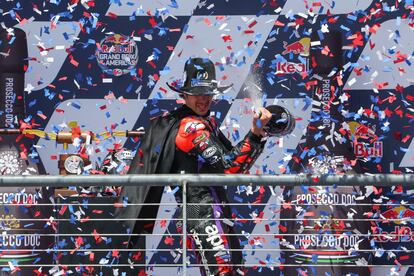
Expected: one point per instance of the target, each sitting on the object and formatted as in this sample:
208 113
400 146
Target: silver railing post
184 184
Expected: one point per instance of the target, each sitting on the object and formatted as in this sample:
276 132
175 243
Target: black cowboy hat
199 78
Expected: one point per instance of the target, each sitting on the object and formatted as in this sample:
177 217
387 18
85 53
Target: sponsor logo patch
208 152
200 138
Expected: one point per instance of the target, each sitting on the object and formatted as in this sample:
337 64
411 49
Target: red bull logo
117 44
117 39
364 132
300 47
370 147
398 214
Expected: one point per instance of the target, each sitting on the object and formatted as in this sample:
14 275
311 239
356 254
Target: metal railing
382 180
187 181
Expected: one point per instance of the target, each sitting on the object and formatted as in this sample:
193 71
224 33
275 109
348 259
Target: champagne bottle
282 122
322 231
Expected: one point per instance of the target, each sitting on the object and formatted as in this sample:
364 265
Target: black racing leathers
202 148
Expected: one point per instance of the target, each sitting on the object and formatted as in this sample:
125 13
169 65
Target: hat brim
201 90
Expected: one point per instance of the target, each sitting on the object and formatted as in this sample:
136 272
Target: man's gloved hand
260 119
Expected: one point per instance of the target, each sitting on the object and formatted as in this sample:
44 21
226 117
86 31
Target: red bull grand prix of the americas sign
300 47
117 55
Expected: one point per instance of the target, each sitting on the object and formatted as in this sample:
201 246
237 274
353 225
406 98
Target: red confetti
169 240
112 15
227 38
252 24
63 209
79 241
405 257
115 253
207 21
152 22
152 64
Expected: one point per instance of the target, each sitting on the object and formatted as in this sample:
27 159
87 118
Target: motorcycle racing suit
202 148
